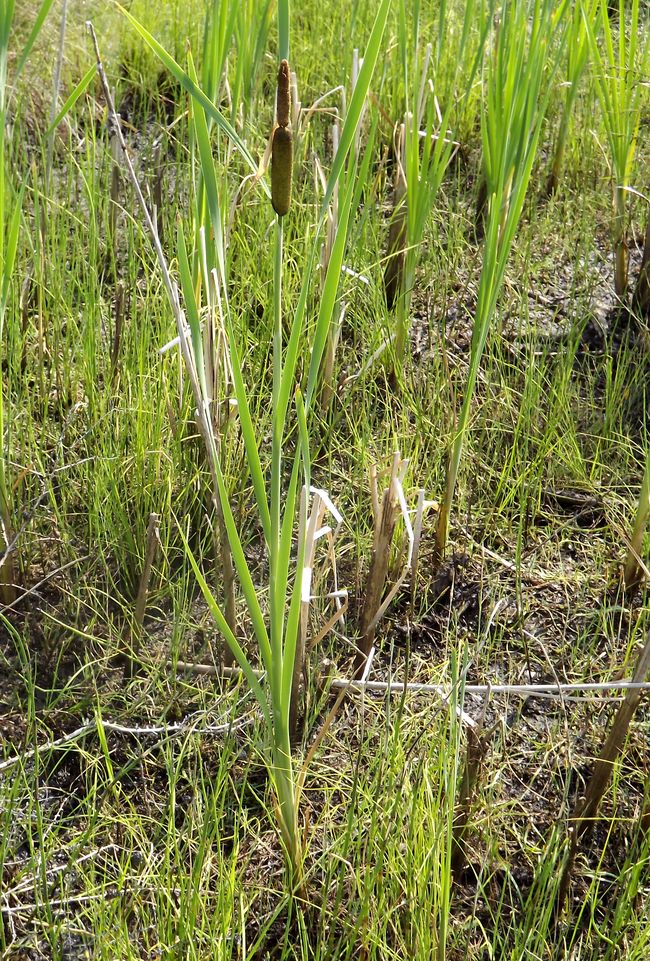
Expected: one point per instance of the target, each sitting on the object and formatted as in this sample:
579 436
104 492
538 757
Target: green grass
151 833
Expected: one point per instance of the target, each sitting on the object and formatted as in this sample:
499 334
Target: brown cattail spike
283 95
281 167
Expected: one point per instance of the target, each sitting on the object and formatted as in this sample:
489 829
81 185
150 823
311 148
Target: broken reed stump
119 306
311 526
586 809
477 746
641 295
7 566
397 234
386 515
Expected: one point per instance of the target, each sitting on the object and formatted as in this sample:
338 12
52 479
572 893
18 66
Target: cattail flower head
282 145
283 95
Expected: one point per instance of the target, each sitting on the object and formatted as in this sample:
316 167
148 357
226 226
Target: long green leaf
231 640
6 268
191 309
248 434
243 571
330 292
293 616
283 29
78 91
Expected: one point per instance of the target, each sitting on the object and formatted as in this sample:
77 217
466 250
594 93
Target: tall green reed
281 489
577 57
515 98
620 63
425 144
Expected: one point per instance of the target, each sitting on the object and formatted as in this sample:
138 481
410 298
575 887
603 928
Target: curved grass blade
78 91
7 266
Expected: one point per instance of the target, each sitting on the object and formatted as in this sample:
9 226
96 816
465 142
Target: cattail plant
10 218
515 102
577 56
620 69
282 494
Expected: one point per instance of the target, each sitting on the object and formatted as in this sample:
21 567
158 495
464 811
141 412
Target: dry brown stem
386 516
586 809
641 296
397 232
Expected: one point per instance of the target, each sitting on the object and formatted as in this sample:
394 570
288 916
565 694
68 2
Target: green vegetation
224 306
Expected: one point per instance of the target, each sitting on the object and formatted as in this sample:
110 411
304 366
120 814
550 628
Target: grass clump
187 442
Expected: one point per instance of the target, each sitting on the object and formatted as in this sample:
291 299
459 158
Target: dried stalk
634 570
641 296
386 516
586 809
118 313
397 241
315 530
477 746
620 246
326 392
7 566
115 138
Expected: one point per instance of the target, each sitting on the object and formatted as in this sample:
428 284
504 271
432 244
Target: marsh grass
620 62
119 841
